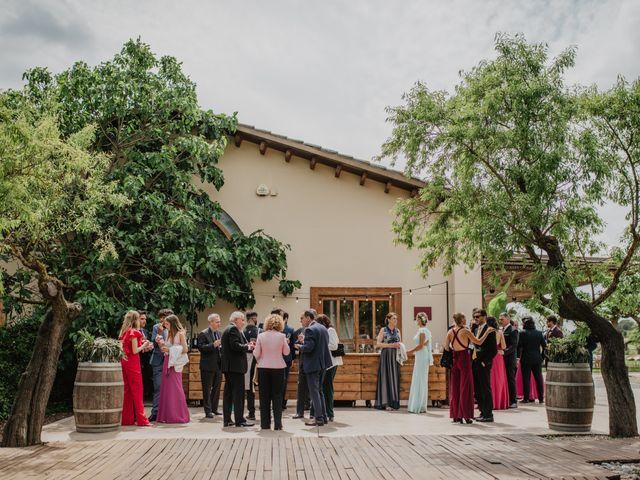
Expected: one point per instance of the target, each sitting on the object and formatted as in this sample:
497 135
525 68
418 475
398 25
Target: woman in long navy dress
388 389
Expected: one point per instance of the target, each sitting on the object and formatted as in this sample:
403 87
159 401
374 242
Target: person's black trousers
251 394
302 396
270 384
482 380
147 375
233 396
315 381
210 390
511 365
527 370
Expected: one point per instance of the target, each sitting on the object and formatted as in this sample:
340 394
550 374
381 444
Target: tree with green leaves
516 162
161 147
50 187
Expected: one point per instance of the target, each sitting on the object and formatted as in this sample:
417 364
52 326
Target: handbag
338 352
446 360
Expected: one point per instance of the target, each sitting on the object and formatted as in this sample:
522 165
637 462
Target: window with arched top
227 225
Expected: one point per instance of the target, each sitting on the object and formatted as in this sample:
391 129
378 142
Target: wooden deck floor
367 457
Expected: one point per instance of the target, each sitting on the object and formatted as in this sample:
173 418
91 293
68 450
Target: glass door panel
365 325
382 308
346 324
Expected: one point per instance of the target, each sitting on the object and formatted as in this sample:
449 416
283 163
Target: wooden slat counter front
355 380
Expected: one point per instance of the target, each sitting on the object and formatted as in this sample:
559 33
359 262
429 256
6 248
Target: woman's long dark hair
492 322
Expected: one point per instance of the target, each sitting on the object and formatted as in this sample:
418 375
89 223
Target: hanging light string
307 295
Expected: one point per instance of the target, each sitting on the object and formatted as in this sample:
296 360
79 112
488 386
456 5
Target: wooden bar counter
355 380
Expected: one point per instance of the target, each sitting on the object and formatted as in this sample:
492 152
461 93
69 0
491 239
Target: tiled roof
316 153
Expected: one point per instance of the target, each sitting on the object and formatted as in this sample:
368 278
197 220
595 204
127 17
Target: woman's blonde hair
131 320
274 322
459 318
423 318
174 326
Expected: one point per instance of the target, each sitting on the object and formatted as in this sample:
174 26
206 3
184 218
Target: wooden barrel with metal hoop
97 397
570 397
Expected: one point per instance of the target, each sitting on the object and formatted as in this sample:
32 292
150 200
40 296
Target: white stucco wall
339 233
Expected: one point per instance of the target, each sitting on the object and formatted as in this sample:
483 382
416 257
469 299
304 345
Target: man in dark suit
510 356
531 347
315 359
302 395
251 334
145 358
157 359
209 343
481 367
234 365
553 330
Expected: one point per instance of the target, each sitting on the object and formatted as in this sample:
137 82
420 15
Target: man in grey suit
157 359
315 359
209 342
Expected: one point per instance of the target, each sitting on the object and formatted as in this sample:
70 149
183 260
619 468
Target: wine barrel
97 397
569 397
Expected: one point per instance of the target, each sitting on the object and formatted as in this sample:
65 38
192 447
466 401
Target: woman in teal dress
419 393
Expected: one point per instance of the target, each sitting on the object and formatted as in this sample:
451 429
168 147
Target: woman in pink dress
499 385
172 407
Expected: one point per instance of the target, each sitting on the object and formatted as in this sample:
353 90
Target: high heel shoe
457 420
468 420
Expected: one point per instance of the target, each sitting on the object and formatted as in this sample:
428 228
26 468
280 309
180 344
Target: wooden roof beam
237 139
338 171
312 164
263 148
363 178
287 155
387 187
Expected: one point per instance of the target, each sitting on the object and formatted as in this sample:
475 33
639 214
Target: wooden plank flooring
389 457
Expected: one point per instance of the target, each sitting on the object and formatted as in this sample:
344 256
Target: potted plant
570 394
99 389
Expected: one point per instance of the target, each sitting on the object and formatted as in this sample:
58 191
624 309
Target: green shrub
16 344
569 349
101 349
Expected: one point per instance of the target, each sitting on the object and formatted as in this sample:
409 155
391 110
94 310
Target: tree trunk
622 406
24 426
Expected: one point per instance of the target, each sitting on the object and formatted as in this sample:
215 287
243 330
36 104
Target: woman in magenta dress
172 406
132 343
461 391
499 386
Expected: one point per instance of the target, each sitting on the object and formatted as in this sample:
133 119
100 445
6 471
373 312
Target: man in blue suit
315 359
157 360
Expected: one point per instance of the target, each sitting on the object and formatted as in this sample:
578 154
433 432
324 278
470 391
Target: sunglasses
477 316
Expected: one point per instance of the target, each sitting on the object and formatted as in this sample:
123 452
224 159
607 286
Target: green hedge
16 344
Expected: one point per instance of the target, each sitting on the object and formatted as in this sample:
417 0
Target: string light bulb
429 287
296 299
273 298
410 292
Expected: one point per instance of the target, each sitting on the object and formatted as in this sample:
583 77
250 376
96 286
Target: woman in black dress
388 389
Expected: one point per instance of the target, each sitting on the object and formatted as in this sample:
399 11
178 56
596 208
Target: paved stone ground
526 419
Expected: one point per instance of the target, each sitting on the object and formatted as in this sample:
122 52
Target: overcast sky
319 71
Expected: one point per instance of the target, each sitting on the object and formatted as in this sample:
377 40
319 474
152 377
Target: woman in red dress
132 344
499 385
461 391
